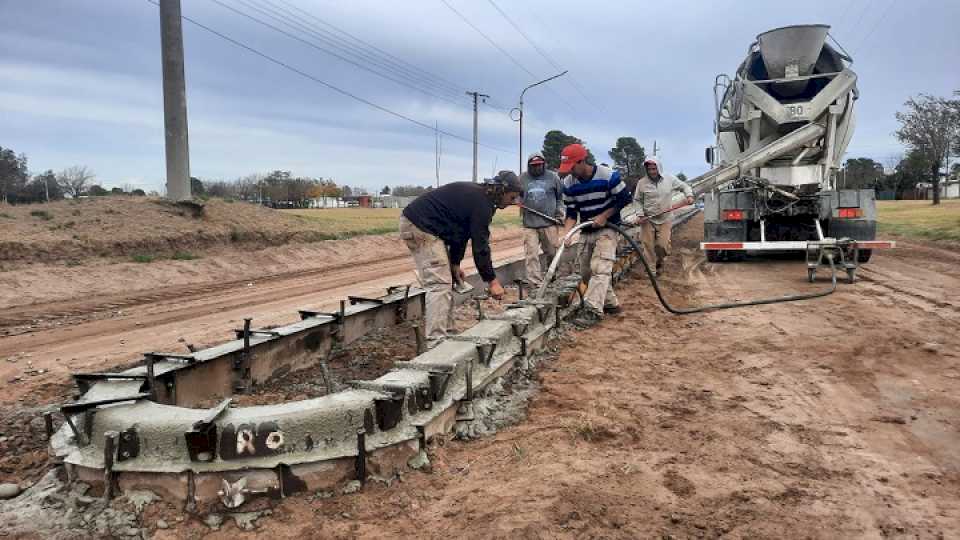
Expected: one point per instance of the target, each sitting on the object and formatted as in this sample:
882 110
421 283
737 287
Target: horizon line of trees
929 129
19 186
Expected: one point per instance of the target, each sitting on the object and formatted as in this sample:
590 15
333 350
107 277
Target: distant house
326 202
362 201
392 201
949 189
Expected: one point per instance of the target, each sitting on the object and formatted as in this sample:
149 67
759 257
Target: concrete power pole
475 96
174 101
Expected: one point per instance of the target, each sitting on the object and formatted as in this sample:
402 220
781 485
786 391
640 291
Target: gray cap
509 181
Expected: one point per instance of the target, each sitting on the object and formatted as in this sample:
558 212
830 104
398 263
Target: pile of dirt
78 229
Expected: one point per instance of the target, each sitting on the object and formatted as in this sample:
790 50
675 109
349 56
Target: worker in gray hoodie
543 193
654 193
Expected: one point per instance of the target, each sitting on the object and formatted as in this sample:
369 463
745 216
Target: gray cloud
81 81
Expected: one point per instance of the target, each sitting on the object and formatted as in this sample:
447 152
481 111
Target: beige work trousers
545 238
598 251
656 240
433 272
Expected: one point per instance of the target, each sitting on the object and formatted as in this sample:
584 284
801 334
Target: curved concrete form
141 429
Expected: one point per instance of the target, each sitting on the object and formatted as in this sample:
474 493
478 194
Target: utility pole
475 96
174 101
654 147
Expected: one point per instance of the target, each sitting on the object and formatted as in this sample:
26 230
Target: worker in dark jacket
436 227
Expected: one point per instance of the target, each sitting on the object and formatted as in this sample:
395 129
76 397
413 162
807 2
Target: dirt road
831 418
46 341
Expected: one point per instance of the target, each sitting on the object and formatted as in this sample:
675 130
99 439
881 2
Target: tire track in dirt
106 339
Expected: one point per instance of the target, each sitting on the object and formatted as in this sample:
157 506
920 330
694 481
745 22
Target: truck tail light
733 215
850 213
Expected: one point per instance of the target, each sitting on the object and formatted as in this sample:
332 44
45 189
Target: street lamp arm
538 83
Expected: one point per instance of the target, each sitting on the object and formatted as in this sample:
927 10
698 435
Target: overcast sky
80 80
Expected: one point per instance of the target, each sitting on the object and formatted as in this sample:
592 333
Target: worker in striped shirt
593 193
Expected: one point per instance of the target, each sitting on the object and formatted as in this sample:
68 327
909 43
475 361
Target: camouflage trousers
598 251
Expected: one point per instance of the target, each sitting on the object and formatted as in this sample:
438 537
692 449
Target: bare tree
930 126
73 180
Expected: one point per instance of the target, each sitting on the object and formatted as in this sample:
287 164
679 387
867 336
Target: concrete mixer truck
782 125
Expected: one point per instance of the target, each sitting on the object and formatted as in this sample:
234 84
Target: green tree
861 173
96 190
44 187
385 190
13 175
930 125
553 143
196 187
629 155
908 172
681 177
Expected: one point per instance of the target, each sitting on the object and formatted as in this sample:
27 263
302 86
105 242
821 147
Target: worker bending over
542 196
436 227
593 193
654 192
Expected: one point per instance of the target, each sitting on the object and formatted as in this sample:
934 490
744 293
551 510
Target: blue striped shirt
587 199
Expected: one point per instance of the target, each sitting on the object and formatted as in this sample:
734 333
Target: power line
369 50
571 80
490 40
414 68
502 50
364 51
883 16
866 7
380 58
324 83
335 54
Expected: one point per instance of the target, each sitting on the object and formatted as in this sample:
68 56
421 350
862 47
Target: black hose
714 307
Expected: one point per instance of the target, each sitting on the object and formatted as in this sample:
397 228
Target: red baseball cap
571 154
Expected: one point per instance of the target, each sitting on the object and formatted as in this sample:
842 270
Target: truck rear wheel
864 255
714 255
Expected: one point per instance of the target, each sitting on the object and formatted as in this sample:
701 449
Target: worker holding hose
542 214
436 227
593 193
654 193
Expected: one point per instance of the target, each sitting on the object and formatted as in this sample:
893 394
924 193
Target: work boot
612 310
587 318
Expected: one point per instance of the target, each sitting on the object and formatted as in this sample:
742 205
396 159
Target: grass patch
73 262
184 256
920 219
143 258
42 214
5 215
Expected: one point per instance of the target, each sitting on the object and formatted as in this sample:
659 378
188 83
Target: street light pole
520 112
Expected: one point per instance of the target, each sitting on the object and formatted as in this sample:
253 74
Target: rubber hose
715 307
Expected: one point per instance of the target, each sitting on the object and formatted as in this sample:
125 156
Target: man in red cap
542 200
593 193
